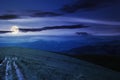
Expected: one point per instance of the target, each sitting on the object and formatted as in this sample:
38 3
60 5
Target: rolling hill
28 64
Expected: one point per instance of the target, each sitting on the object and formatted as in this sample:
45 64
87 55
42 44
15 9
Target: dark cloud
82 33
45 14
8 16
86 4
46 28
51 28
2 32
38 13
29 13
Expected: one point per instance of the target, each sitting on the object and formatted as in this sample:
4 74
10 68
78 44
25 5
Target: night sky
94 17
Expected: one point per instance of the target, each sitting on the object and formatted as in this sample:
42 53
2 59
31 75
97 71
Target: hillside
106 48
28 64
106 54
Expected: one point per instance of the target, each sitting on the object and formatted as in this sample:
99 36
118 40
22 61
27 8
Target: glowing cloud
67 19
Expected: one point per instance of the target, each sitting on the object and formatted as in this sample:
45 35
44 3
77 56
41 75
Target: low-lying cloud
52 28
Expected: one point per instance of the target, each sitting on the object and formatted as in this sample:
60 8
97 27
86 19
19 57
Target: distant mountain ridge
112 48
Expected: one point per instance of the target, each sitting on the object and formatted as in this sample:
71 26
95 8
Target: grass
43 65
108 61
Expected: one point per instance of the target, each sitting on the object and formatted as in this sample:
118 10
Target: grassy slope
108 61
42 65
104 54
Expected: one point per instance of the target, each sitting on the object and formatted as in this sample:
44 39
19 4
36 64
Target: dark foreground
28 64
108 61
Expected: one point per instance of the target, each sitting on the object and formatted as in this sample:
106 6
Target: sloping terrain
106 54
28 64
110 48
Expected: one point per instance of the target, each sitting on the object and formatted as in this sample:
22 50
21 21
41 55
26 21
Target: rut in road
18 72
11 69
3 68
3 61
8 71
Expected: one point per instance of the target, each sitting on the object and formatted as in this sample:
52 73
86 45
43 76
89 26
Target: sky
53 17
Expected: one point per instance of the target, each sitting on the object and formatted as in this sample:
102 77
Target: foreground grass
108 61
43 65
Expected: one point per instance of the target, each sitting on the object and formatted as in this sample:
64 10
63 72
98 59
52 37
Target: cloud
45 14
24 14
2 32
51 28
82 33
8 16
67 19
39 13
86 4
23 30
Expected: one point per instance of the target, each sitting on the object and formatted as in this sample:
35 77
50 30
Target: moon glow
15 29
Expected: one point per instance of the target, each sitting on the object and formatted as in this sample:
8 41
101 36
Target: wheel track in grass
9 70
18 71
2 69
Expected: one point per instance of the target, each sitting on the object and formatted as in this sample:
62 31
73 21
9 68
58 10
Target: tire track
18 72
8 71
3 68
5 59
